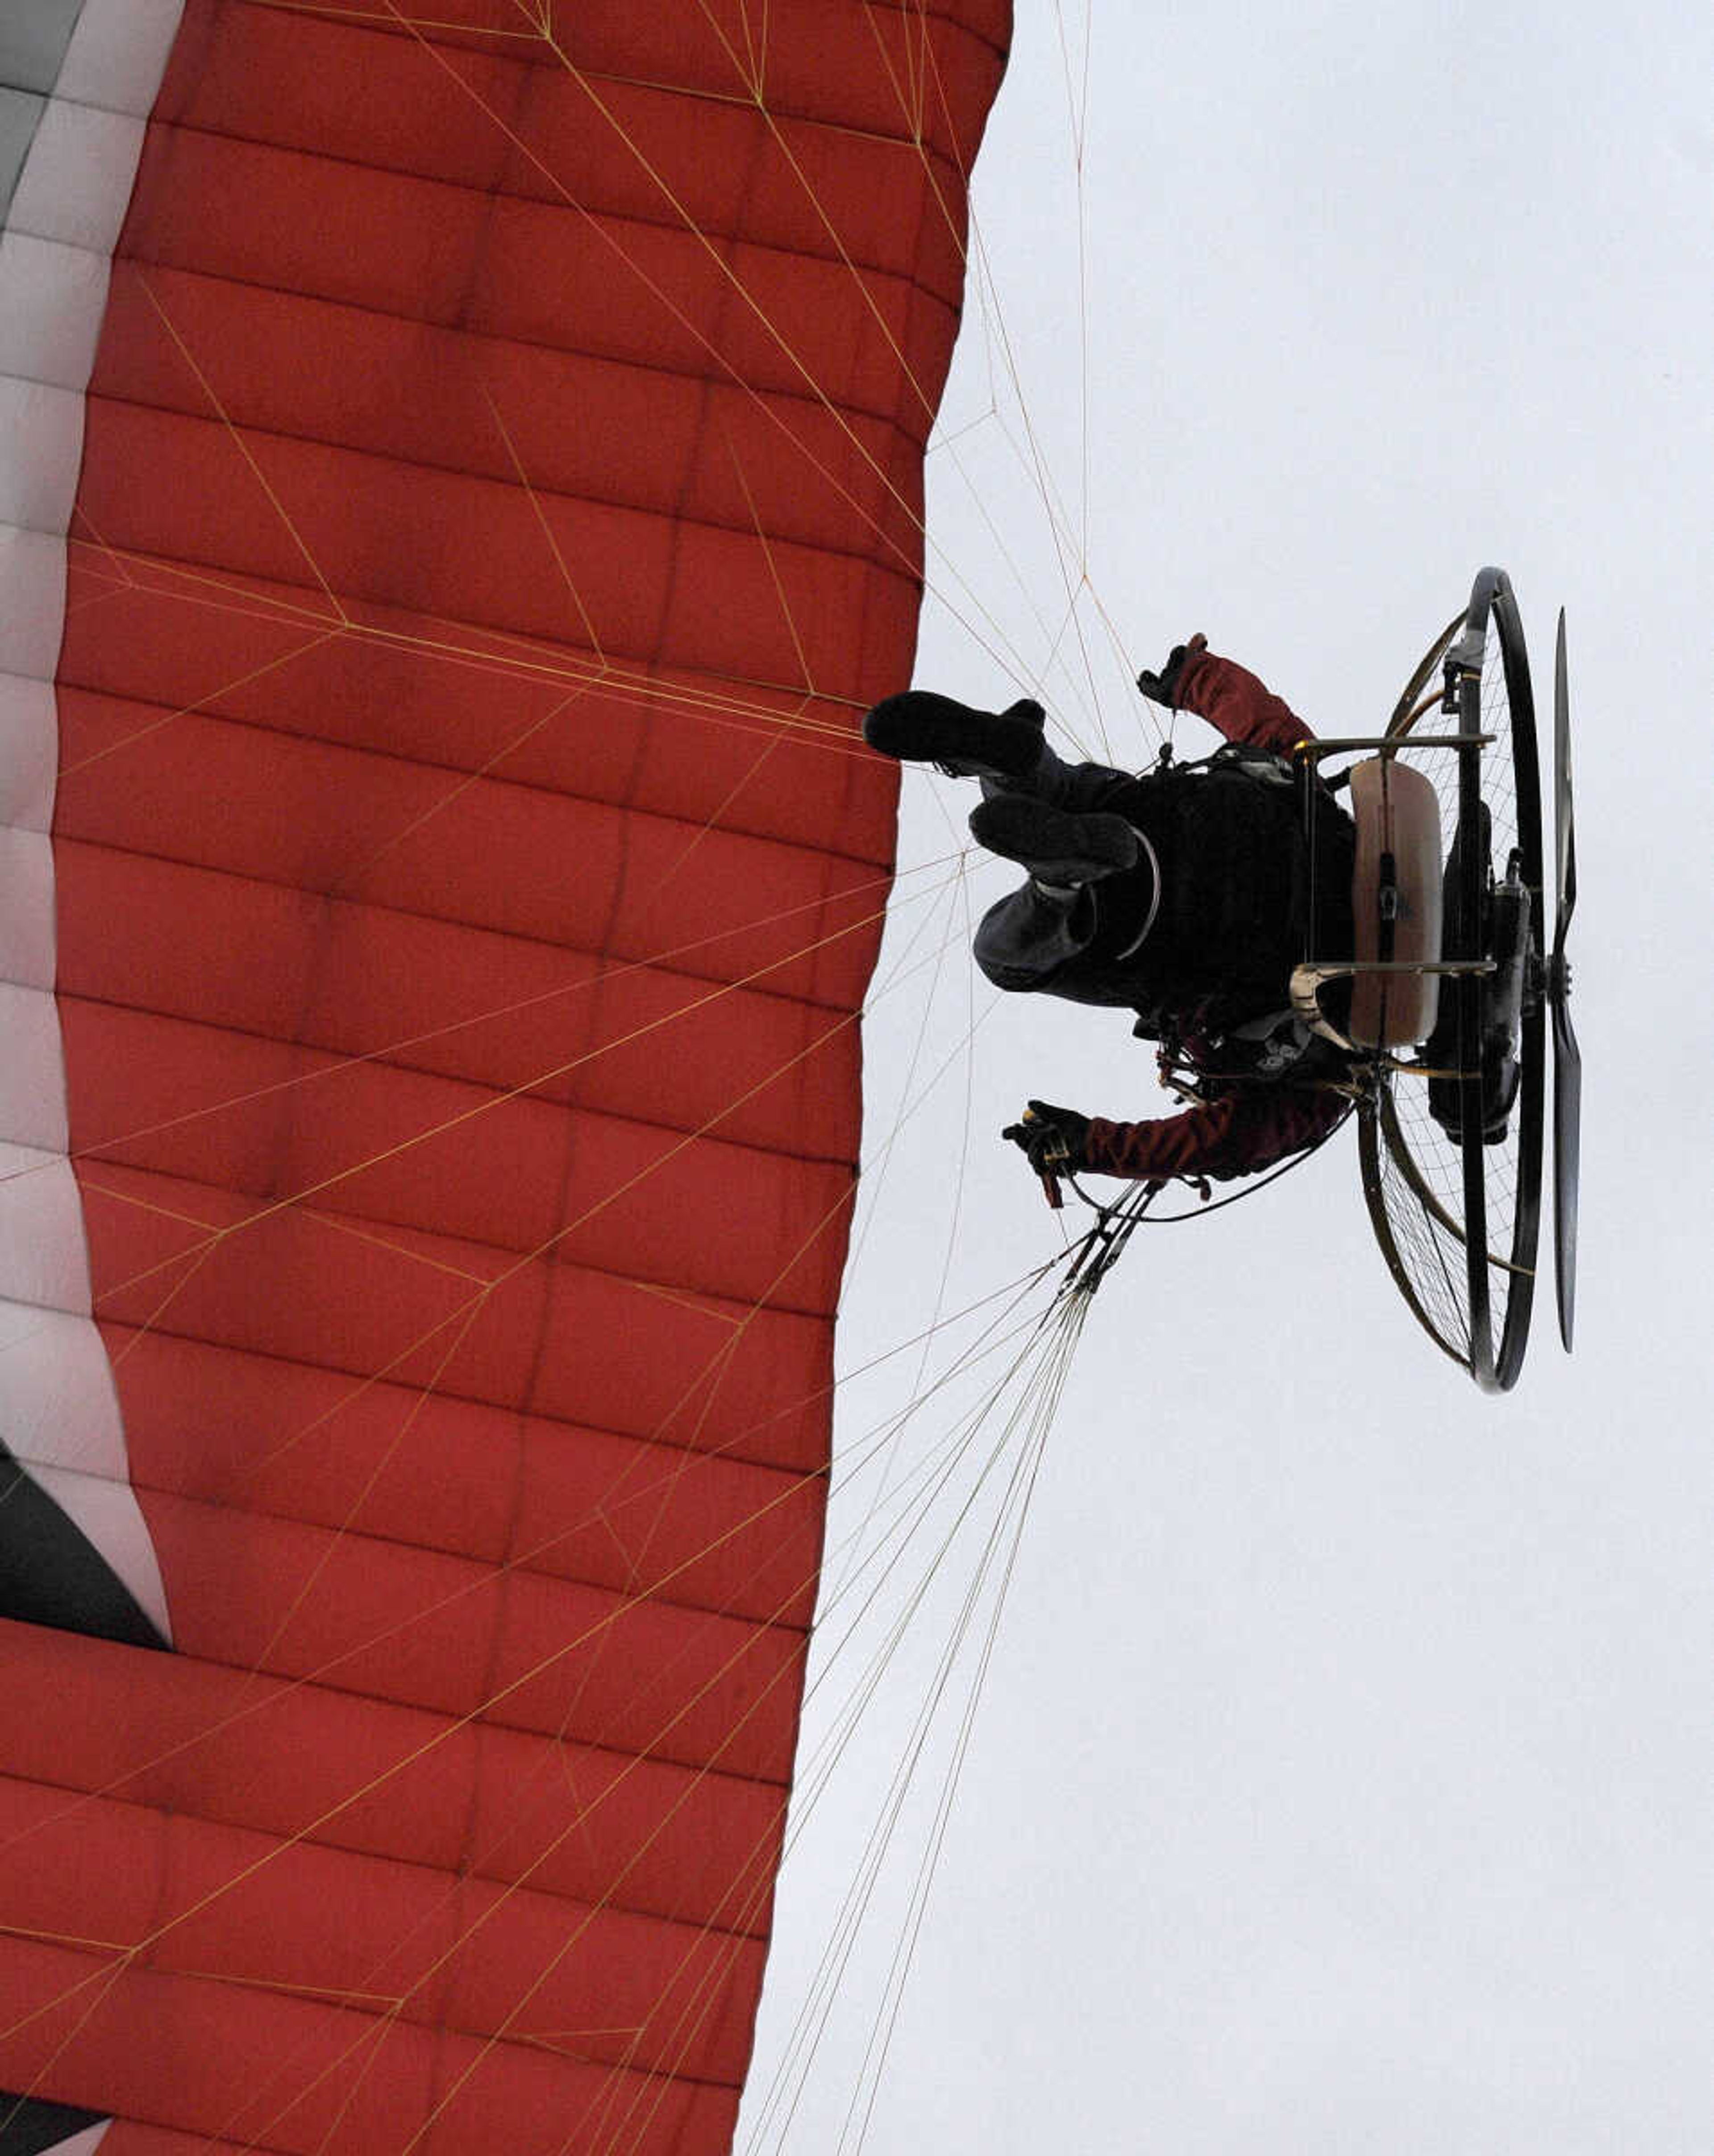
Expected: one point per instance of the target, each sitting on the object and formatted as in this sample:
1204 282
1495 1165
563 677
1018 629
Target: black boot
920 727
1057 847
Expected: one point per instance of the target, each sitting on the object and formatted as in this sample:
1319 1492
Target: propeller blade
1567 1122
1567 1060
1566 880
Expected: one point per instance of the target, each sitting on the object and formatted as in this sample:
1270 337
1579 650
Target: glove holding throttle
1053 1139
1162 688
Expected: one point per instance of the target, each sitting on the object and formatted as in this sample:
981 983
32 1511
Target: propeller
1568 1062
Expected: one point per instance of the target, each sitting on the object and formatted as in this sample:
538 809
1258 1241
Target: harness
1234 873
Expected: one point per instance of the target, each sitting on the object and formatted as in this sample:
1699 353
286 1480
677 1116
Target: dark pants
1077 943
1062 942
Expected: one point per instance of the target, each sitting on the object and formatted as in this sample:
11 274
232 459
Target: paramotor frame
1456 1206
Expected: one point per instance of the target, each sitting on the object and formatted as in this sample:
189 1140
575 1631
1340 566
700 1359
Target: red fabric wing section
501 497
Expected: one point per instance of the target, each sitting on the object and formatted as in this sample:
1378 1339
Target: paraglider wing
464 484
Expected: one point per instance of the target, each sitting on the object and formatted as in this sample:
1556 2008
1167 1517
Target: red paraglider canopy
468 485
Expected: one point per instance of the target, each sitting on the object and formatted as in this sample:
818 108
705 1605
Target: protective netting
1411 1160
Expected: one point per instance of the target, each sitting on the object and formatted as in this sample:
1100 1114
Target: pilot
1181 894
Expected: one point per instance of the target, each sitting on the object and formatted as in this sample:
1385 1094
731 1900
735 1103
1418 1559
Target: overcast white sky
1341 1779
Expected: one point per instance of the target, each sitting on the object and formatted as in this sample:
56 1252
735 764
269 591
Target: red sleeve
1235 701
1241 1132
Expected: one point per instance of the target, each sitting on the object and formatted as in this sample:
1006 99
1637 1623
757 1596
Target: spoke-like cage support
1457 1220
